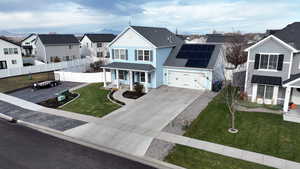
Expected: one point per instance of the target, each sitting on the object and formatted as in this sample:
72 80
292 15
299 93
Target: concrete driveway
43 94
130 129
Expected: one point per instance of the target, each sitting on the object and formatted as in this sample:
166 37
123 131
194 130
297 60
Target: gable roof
100 37
157 37
28 37
58 39
160 37
9 41
290 34
194 55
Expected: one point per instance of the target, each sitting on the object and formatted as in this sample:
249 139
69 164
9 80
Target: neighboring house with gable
28 45
96 45
273 69
57 47
155 56
10 54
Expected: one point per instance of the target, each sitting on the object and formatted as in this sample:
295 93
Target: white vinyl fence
82 77
79 65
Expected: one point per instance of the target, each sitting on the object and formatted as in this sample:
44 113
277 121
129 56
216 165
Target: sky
187 16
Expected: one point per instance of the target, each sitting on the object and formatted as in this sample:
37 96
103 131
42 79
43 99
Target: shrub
138 88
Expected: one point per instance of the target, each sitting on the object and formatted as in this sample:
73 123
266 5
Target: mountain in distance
7 33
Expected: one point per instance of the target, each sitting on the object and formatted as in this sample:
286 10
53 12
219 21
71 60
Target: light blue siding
162 55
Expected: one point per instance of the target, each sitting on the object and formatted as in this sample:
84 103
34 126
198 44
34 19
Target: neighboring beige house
57 47
10 54
95 45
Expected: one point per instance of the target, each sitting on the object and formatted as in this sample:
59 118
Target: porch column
287 99
130 80
254 92
146 82
117 78
275 95
104 77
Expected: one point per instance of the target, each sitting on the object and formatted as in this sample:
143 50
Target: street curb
141 159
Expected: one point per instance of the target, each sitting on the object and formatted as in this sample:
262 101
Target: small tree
235 45
231 95
96 66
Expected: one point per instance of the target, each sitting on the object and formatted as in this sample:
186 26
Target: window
265 91
144 55
10 51
99 54
120 54
87 45
142 77
67 58
3 65
268 61
107 55
5 51
70 46
13 62
122 74
99 44
15 50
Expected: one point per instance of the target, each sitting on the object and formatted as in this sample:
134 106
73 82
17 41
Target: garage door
186 79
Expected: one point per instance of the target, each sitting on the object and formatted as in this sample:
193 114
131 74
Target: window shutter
135 55
280 62
113 54
126 54
256 63
151 55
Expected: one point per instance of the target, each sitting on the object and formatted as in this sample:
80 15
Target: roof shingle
58 39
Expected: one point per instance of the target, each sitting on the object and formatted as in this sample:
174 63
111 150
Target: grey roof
129 66
100 37
292 78
271 80
173 61
160 37
290 34
58 39
9 41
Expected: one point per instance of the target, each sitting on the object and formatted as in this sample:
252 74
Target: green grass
259 132
17 82
191 158
92 101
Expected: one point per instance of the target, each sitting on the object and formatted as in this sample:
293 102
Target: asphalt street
24 148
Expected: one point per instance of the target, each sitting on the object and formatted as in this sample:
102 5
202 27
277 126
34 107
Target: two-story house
57 47
273 68
10 54
28 45
96 46
155 56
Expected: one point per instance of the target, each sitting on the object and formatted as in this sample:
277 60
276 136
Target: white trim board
275 38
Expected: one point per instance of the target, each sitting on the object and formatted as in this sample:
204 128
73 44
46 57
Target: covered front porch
291 105
130 73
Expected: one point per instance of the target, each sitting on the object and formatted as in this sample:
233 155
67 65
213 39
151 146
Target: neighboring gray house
57 47
96 46
273 69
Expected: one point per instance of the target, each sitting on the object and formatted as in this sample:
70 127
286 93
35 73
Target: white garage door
186 79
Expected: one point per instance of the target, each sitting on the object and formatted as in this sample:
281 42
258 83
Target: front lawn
191 158
258 132
92 101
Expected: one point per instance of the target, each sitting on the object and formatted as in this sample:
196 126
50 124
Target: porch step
292 117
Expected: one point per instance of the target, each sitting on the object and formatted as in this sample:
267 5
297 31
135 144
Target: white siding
9 58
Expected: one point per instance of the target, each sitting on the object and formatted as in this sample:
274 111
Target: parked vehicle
45 84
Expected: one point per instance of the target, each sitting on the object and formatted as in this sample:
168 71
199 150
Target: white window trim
265 89
267 69
118 49
144 54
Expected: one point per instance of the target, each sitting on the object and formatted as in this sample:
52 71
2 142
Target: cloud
188 16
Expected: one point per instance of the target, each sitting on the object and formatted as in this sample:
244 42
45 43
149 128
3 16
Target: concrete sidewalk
118 96
258 158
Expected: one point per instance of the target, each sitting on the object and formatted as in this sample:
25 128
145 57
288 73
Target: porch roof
129 66
292 79
270 80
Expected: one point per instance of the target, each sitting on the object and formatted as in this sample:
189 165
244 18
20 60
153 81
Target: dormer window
268 61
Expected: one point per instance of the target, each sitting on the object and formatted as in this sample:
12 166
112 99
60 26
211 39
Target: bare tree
235 45
231 94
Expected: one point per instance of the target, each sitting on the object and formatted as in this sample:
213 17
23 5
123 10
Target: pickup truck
45 84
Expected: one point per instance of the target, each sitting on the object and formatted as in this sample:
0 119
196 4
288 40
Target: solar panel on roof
197 55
